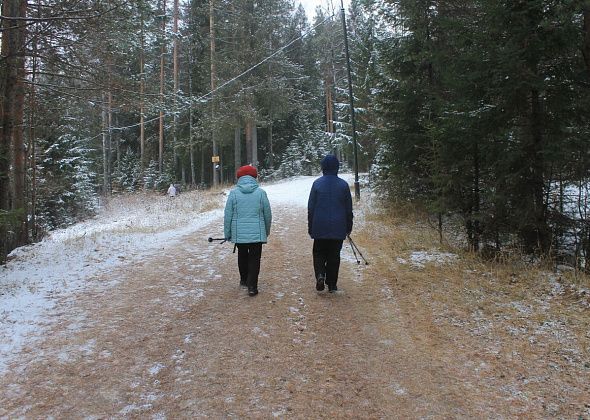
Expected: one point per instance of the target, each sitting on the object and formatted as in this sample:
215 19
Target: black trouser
249 263
326 259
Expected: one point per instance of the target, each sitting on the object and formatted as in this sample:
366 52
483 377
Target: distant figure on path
247 220
171 191
329 221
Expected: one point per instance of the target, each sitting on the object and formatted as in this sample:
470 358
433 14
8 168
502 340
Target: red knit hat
247 170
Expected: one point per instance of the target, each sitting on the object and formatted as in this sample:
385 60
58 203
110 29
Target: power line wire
202 98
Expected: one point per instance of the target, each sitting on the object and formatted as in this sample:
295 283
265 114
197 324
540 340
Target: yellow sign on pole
215 159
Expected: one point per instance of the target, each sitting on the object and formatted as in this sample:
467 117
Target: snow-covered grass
127 229
418 259
143 213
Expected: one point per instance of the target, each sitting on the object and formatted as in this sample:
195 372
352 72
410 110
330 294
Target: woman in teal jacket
247 220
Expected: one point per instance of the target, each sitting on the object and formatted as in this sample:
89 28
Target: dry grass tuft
521 326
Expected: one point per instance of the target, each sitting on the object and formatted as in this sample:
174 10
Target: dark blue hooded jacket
329 209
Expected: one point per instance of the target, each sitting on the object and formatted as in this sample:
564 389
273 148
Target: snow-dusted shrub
127 173
66 183
153 180
304 153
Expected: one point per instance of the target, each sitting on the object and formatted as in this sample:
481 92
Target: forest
475 111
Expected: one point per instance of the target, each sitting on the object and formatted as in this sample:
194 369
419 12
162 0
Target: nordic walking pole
353 251
210 239
360 253
358 250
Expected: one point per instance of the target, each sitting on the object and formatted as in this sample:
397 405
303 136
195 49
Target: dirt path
177 338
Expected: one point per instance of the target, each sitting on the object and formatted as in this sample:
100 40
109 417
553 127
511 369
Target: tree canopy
474 110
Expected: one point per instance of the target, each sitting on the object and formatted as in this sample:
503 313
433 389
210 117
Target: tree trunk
7 91
142 94
332 94
237 148
440 228
161 119
33 135
19 150
192 161
271 159
191 148
329 106
249 142
586 48
220 165
19 199
106 149
202 165
191 152
175 75
213 87
11 120
536 183
476 197
254 145
115 134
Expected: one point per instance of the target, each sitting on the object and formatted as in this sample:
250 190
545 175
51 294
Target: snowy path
174 336
166 332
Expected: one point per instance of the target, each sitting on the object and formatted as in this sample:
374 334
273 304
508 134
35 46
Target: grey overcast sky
310 5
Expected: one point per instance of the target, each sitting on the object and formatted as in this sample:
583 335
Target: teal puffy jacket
247 215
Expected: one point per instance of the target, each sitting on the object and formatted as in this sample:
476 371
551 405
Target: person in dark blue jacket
329 221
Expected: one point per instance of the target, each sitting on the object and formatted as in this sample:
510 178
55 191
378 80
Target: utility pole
357 188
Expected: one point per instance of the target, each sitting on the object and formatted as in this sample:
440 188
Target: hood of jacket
247 184
330 165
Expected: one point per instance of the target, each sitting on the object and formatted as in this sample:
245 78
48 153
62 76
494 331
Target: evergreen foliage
473 109
304 152
481 114
67 187
127 175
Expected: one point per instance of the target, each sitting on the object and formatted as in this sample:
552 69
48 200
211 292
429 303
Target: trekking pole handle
210 239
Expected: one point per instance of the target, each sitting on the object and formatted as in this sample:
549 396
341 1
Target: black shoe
319 284
252 292
243 284
332 289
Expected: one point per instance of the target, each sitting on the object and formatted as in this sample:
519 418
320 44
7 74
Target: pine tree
12 148
481 112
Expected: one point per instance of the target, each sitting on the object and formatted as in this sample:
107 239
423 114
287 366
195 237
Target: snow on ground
296 191
420 258
126 230
38 275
